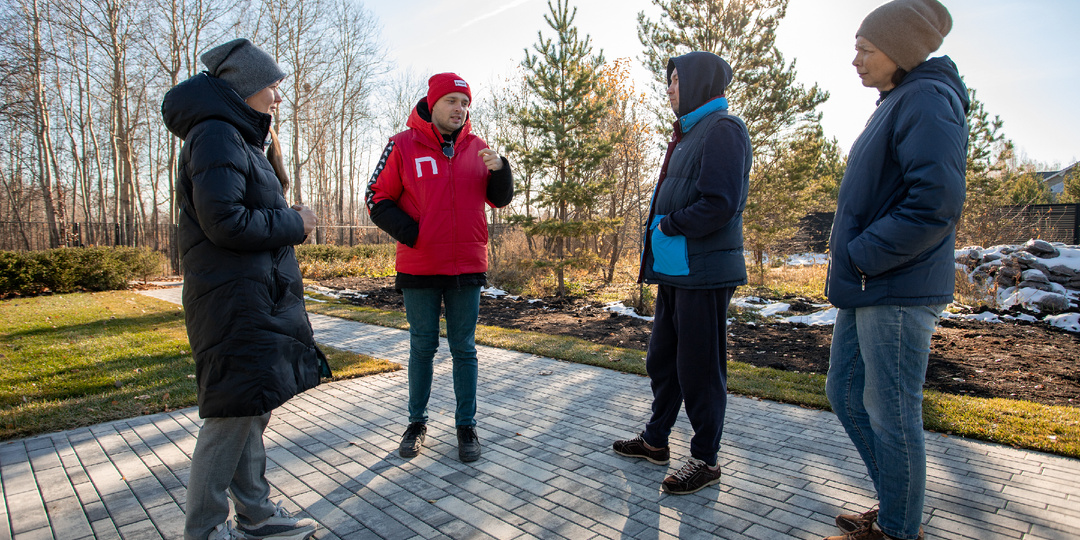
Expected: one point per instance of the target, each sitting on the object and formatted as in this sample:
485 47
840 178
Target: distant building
1055 180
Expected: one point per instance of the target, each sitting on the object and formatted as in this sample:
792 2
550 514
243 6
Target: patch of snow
1027 297
807 259
820 318
985 316
747 302
619 309
493 292
1067 321
1068 256
334 293
770 310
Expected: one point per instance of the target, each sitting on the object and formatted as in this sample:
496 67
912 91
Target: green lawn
1022 424
74 360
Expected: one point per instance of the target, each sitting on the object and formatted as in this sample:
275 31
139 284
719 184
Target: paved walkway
547 470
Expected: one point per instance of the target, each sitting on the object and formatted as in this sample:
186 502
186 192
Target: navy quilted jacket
894 232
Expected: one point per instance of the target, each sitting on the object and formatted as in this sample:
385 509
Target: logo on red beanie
445 83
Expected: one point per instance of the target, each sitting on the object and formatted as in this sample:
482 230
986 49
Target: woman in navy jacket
891 269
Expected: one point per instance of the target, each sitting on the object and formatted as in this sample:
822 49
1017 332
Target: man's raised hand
491 159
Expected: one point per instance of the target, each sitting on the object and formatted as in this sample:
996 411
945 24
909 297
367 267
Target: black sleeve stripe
375 175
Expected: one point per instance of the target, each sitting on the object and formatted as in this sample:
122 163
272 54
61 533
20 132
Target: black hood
702 77
203 98
940 69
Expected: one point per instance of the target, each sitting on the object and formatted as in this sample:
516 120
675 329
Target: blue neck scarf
687 122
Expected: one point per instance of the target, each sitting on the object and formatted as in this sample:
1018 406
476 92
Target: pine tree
780 113
1027 188
983 223
1071 187
570 103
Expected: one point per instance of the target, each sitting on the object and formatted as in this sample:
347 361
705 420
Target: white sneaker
225 531
279 526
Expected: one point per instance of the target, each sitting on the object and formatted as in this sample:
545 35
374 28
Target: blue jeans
877 367
422 307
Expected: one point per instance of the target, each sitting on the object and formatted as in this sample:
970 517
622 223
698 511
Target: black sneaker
694 476
468 444
413 440
850 523
636 448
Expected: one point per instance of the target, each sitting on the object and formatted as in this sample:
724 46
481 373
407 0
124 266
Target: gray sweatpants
229 456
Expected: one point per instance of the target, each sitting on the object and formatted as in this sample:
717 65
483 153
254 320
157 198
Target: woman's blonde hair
277 161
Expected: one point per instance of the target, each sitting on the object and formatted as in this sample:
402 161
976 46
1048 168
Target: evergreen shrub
65 270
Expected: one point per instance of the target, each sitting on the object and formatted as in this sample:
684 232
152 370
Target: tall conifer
569 104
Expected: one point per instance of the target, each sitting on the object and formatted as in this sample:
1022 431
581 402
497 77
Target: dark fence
1050 222
34 236
813 235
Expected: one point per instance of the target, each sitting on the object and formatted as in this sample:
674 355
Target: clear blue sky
1018 55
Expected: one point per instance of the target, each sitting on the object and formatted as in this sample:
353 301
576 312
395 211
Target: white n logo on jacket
419 168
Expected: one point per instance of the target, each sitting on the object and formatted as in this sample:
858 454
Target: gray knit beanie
907 31
244 66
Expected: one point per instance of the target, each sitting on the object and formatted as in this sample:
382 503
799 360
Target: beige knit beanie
907 30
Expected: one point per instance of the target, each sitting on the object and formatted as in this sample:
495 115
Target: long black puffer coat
243 294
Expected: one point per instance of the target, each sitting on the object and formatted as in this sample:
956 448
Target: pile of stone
1041 276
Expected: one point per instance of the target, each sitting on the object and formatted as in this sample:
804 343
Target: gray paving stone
1042 532
95 511
547 469
27 512
124 508
140 530
17 475
37 534
150 492
68 519
169 520
105 529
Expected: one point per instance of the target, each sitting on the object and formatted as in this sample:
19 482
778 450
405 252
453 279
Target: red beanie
445 83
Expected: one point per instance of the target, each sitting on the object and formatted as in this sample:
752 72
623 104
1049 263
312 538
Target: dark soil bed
1017 360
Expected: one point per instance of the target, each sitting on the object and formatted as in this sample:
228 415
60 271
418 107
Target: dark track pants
687 363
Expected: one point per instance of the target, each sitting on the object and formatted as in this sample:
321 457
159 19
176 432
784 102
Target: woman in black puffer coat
243 295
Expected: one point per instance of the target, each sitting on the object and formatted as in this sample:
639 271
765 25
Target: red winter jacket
433 205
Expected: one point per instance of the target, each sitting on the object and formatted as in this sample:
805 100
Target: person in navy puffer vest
891 267
694 254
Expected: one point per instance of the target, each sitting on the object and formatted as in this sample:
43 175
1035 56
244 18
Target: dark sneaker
869 532
694 476
468 444
850 523
279 526
413 440
636 448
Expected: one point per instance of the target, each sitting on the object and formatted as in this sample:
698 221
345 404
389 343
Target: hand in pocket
669 252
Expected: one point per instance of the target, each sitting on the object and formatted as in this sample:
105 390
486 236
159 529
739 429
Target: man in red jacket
428 192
